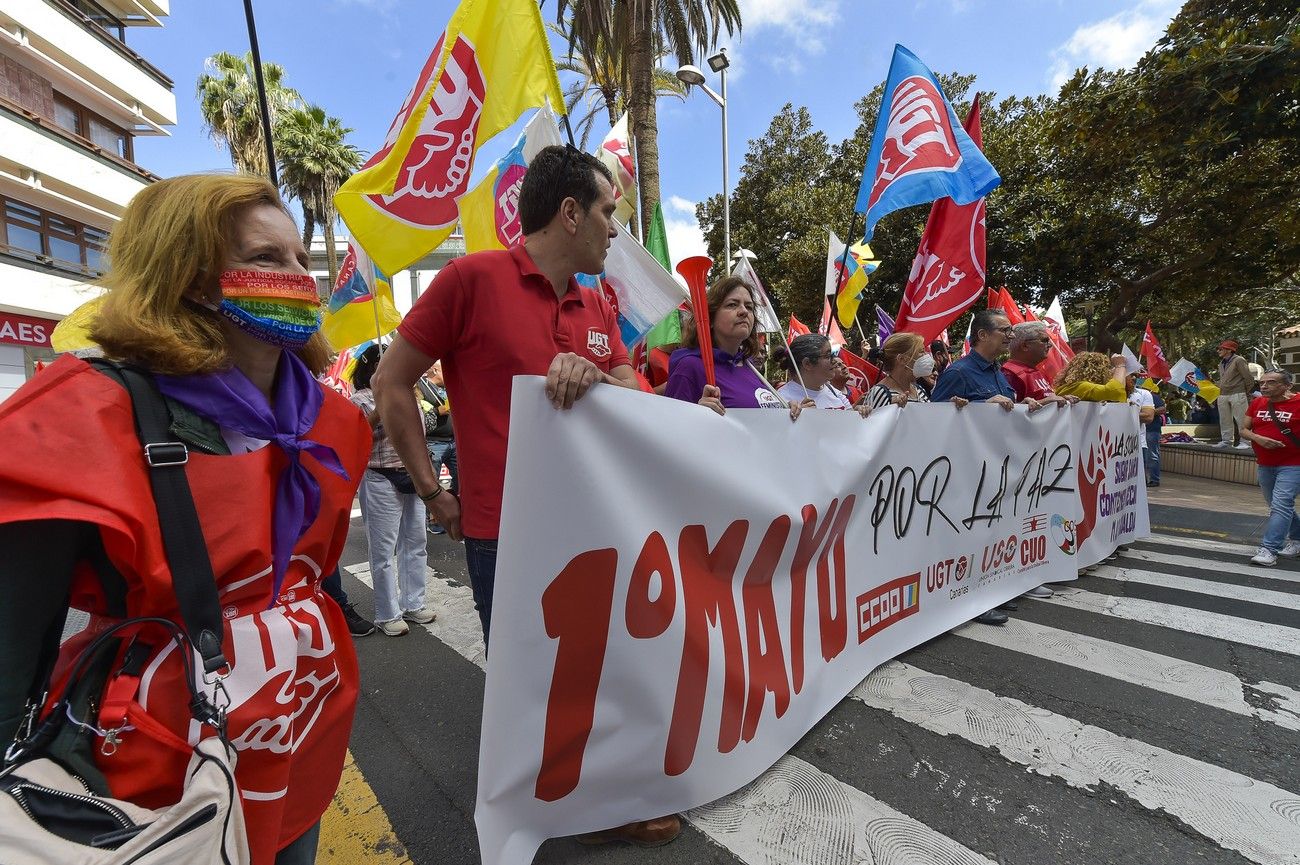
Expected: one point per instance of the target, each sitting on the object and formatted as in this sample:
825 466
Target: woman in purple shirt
732 320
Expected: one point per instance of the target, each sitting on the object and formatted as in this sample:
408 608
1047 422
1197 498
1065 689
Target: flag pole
263 108
861 329
764 380
794 364
374 300
844 262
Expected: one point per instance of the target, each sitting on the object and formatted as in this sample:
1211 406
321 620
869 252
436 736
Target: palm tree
603 87
314 161
227 95
647 30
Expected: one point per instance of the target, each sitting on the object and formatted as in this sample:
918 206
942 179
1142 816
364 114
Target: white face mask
923 365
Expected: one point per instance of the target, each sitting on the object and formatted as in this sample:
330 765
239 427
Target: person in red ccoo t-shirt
1270 427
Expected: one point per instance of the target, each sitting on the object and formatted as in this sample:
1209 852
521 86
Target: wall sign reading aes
18 329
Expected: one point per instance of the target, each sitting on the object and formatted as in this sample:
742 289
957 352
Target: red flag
862 374
1154 355
796 327
1010 307
829 327
1055 361
948 271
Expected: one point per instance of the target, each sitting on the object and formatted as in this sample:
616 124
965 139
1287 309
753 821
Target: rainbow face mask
282 309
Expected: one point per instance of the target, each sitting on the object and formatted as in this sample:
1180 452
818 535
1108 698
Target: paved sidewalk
1198 507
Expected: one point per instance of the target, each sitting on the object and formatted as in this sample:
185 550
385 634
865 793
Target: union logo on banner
505 201
437 167
919 137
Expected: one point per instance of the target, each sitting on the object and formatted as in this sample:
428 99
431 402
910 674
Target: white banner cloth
669 620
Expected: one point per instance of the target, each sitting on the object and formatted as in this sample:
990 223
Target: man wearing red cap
1235 381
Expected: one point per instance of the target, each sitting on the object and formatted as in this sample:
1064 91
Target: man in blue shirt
978 377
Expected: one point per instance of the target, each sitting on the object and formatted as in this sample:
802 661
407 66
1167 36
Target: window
67 115
79 120
36 234
109 137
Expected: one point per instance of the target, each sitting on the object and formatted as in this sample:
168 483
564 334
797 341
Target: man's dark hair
938 347
556 173
985 320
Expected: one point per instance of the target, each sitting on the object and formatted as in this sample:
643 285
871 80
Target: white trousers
394 527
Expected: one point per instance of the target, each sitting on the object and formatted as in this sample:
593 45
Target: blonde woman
906 361
209 292
1093 377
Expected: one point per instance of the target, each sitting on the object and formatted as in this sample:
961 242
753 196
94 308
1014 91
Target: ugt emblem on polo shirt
597 342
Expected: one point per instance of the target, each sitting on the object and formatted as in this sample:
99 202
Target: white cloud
681 205
802 20
684 235
1116 42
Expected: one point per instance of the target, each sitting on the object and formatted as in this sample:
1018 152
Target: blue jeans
1151 456
443 452
481 561
394 527
301 851
1281 485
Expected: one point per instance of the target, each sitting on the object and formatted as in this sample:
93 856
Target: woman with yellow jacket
1093 377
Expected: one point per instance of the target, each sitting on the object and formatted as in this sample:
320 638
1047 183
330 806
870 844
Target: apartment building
74 97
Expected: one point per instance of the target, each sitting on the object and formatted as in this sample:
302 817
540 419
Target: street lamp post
692 76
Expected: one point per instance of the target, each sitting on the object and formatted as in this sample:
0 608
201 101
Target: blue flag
919 152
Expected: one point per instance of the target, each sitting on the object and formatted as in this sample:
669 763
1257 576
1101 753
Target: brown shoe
646 833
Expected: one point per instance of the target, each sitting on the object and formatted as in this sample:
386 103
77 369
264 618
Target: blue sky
357 59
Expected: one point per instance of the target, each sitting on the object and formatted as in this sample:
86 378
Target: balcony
83 60
64 169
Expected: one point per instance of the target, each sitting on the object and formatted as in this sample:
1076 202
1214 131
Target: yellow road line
1184 531
355 828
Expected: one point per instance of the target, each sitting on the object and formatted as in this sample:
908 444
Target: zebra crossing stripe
1208 686
1202 544
1202 563
1275 638
796 813
781 818
1282 600
1258 820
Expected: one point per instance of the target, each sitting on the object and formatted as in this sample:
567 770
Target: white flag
767 319
636 285
616 154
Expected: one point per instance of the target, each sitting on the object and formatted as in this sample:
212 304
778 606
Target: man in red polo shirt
1030 346
489 317
492 316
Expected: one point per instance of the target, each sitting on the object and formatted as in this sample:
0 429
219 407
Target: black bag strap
1285 430
187 551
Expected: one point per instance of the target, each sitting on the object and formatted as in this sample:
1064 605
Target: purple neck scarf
231 401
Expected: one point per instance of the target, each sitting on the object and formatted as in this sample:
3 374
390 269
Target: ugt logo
436 169
597 343
919 135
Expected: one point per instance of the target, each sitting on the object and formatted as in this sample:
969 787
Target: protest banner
636 639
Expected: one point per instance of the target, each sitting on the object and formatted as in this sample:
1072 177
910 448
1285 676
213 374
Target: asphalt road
1149 713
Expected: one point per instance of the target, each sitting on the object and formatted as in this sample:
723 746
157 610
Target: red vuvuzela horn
695 270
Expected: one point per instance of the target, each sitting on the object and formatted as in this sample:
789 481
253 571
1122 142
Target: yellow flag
492 63
73 332
361 307
489 213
